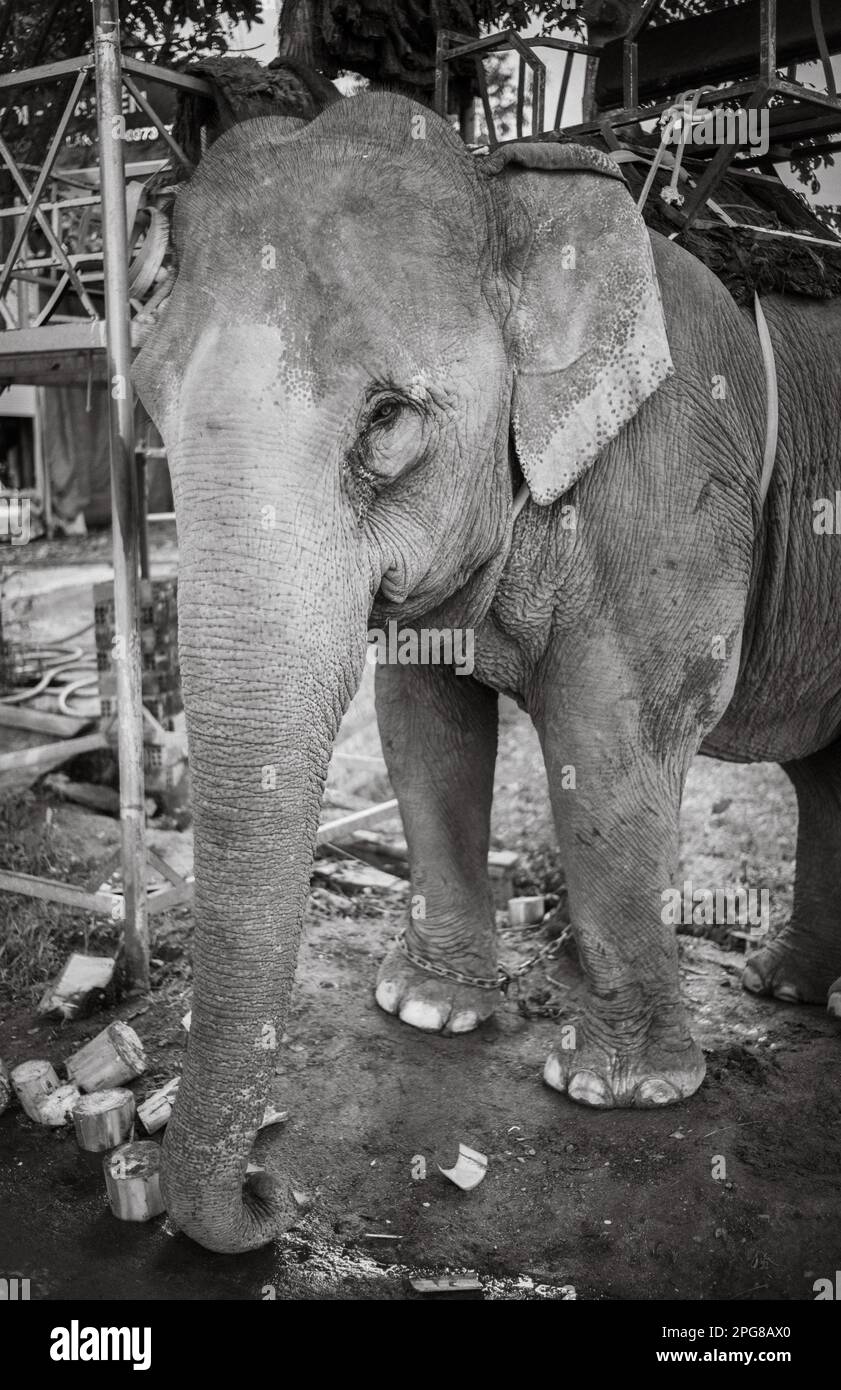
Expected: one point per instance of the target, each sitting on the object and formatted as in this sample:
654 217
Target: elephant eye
385 412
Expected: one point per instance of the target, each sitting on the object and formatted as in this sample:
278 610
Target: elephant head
359 317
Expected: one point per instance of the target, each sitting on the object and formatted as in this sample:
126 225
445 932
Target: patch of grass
36 937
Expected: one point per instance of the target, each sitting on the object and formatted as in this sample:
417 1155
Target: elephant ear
588 337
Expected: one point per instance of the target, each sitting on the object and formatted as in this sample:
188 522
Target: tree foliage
39 31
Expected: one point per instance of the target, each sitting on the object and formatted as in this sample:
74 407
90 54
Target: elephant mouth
468 598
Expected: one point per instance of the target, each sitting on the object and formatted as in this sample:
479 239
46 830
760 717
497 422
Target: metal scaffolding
651 64
47 348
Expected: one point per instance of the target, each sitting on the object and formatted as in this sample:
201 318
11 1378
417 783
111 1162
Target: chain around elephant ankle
446 973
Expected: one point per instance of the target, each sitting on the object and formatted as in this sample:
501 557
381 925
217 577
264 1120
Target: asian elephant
374 341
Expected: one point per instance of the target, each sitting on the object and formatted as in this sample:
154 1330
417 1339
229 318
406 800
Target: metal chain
504 977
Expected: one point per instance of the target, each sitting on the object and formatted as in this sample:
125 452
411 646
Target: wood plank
47 755
40 721
345 825
50 890
170 897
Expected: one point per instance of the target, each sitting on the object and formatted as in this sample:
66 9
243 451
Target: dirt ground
615 1205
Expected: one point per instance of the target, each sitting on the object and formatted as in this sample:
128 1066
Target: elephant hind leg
439 732
802 964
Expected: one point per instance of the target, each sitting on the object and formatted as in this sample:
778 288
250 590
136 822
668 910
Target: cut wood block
32 1081
72 991
5 1088
354 877
110 1059
56 1108
103 1120
133 1181
526 912
156 1109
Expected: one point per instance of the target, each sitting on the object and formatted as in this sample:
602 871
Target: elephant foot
597 1066
430 1002
790 972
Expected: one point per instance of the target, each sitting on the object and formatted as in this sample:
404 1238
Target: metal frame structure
74 350
808 114
453 47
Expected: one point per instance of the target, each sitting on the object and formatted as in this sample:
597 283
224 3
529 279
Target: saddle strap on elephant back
550 155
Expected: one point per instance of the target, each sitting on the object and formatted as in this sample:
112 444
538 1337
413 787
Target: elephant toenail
552 1073
752 980
787 992
656 1091
589 1089
387 995
464 1022
421 1015
833 1006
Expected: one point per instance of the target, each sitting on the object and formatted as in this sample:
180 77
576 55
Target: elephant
390 375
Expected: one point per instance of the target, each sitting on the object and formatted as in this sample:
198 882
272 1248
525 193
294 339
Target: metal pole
123 488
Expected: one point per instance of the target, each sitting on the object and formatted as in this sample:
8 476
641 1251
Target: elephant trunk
272 638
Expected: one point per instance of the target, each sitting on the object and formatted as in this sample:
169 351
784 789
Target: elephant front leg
439 732
617 808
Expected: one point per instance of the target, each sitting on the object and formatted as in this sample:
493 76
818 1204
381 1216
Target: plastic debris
447 1283
470 1168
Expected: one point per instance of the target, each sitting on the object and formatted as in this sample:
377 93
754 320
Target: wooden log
56 1108
103 1120
133 1180
32 1081
526 912
5 1088
81 977
156 1109
110 1059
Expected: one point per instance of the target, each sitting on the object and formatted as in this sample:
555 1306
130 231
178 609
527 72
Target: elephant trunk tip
233 1224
